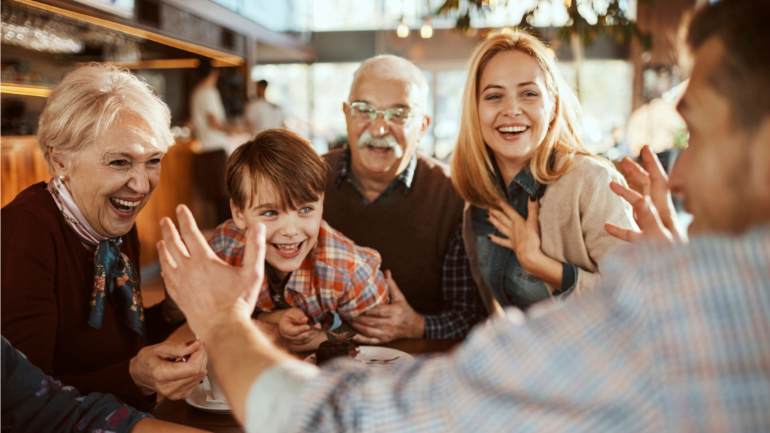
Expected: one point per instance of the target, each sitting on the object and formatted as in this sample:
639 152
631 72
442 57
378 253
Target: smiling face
111 179
723 174
514 109
290 233
381 149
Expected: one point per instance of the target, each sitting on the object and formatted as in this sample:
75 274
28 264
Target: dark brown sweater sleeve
29 310
29 307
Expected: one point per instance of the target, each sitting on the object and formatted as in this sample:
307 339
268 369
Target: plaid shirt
337 275
674 340
464 307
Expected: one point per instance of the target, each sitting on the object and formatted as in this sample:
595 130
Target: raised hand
650 197
202 284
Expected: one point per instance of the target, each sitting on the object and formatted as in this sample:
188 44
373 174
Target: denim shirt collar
345 173
524 180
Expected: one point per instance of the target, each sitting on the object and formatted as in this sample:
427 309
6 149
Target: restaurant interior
622 59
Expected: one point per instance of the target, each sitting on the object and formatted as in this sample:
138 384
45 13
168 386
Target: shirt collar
524 180
344 172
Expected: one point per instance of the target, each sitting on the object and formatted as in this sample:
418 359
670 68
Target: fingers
395 293
179 389
361 339
172 350
382 311
533 213
367 334
254 252
167 268
372 322
621 233
500 221
502 242
176 248
636 176
508 211
632 197
191 235
653 166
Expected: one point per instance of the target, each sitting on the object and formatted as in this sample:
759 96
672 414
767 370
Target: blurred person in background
71 297
261 114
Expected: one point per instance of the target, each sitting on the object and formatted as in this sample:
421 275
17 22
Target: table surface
179 411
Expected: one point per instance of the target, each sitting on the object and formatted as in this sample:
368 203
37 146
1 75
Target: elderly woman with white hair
70 251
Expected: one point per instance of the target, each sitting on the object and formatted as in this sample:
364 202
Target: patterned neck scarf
114 275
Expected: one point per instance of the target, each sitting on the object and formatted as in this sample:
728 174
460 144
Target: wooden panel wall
23 165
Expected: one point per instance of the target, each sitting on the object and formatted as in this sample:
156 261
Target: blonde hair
472 165
89 100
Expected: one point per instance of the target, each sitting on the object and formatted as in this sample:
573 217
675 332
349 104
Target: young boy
312 270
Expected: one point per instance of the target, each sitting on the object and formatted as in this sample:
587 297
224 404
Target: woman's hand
294 327
171 369
520 236
523 238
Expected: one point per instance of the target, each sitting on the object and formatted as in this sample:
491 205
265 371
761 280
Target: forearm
549 270
151 425
232 340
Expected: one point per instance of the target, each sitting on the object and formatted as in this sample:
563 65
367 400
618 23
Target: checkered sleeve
365 286
227 243
464 307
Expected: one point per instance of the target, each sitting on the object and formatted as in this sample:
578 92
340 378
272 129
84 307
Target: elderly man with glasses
383 195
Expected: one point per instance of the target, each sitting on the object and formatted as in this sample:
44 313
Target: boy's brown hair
281 158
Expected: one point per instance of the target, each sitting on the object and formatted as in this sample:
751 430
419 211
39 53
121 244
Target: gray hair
390 67
89 100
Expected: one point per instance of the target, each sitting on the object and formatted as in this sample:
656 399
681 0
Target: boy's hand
205 287
294 326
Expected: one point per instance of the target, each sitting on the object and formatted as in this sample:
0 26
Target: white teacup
214 393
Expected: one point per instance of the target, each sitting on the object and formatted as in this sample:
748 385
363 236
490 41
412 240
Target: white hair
89 100
390 67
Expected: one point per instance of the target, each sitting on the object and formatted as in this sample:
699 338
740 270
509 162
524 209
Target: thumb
395 292
533 213
254 257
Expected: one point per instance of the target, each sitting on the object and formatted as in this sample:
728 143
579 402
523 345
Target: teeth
126 203
512 128
287 247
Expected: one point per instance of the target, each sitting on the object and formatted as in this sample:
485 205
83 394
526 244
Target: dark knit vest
411 230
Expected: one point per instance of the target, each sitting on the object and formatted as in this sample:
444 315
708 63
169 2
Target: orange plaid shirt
336 276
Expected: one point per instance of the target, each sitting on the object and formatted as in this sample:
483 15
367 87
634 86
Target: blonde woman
537 200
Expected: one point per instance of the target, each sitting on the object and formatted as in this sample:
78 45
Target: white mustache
384 142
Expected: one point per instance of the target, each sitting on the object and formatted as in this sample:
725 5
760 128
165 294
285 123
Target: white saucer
376 355
197 399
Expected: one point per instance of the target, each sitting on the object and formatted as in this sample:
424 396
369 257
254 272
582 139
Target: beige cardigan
573 212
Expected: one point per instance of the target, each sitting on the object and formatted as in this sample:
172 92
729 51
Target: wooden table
180 412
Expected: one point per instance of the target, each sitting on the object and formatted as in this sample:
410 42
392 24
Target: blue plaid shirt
464 307
674 340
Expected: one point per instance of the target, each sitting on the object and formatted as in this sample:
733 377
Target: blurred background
620 56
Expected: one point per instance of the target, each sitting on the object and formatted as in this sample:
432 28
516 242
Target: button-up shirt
501 270
460 295
675 339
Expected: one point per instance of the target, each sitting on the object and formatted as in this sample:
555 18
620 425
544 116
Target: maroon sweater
47 279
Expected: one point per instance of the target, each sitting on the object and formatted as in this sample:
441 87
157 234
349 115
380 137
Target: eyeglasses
364 111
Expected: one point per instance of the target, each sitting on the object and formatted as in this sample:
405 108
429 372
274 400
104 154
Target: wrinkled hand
199 282
294 327
388 322
650 197
520 235
159 368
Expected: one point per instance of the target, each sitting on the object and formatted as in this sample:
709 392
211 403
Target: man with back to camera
650 350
